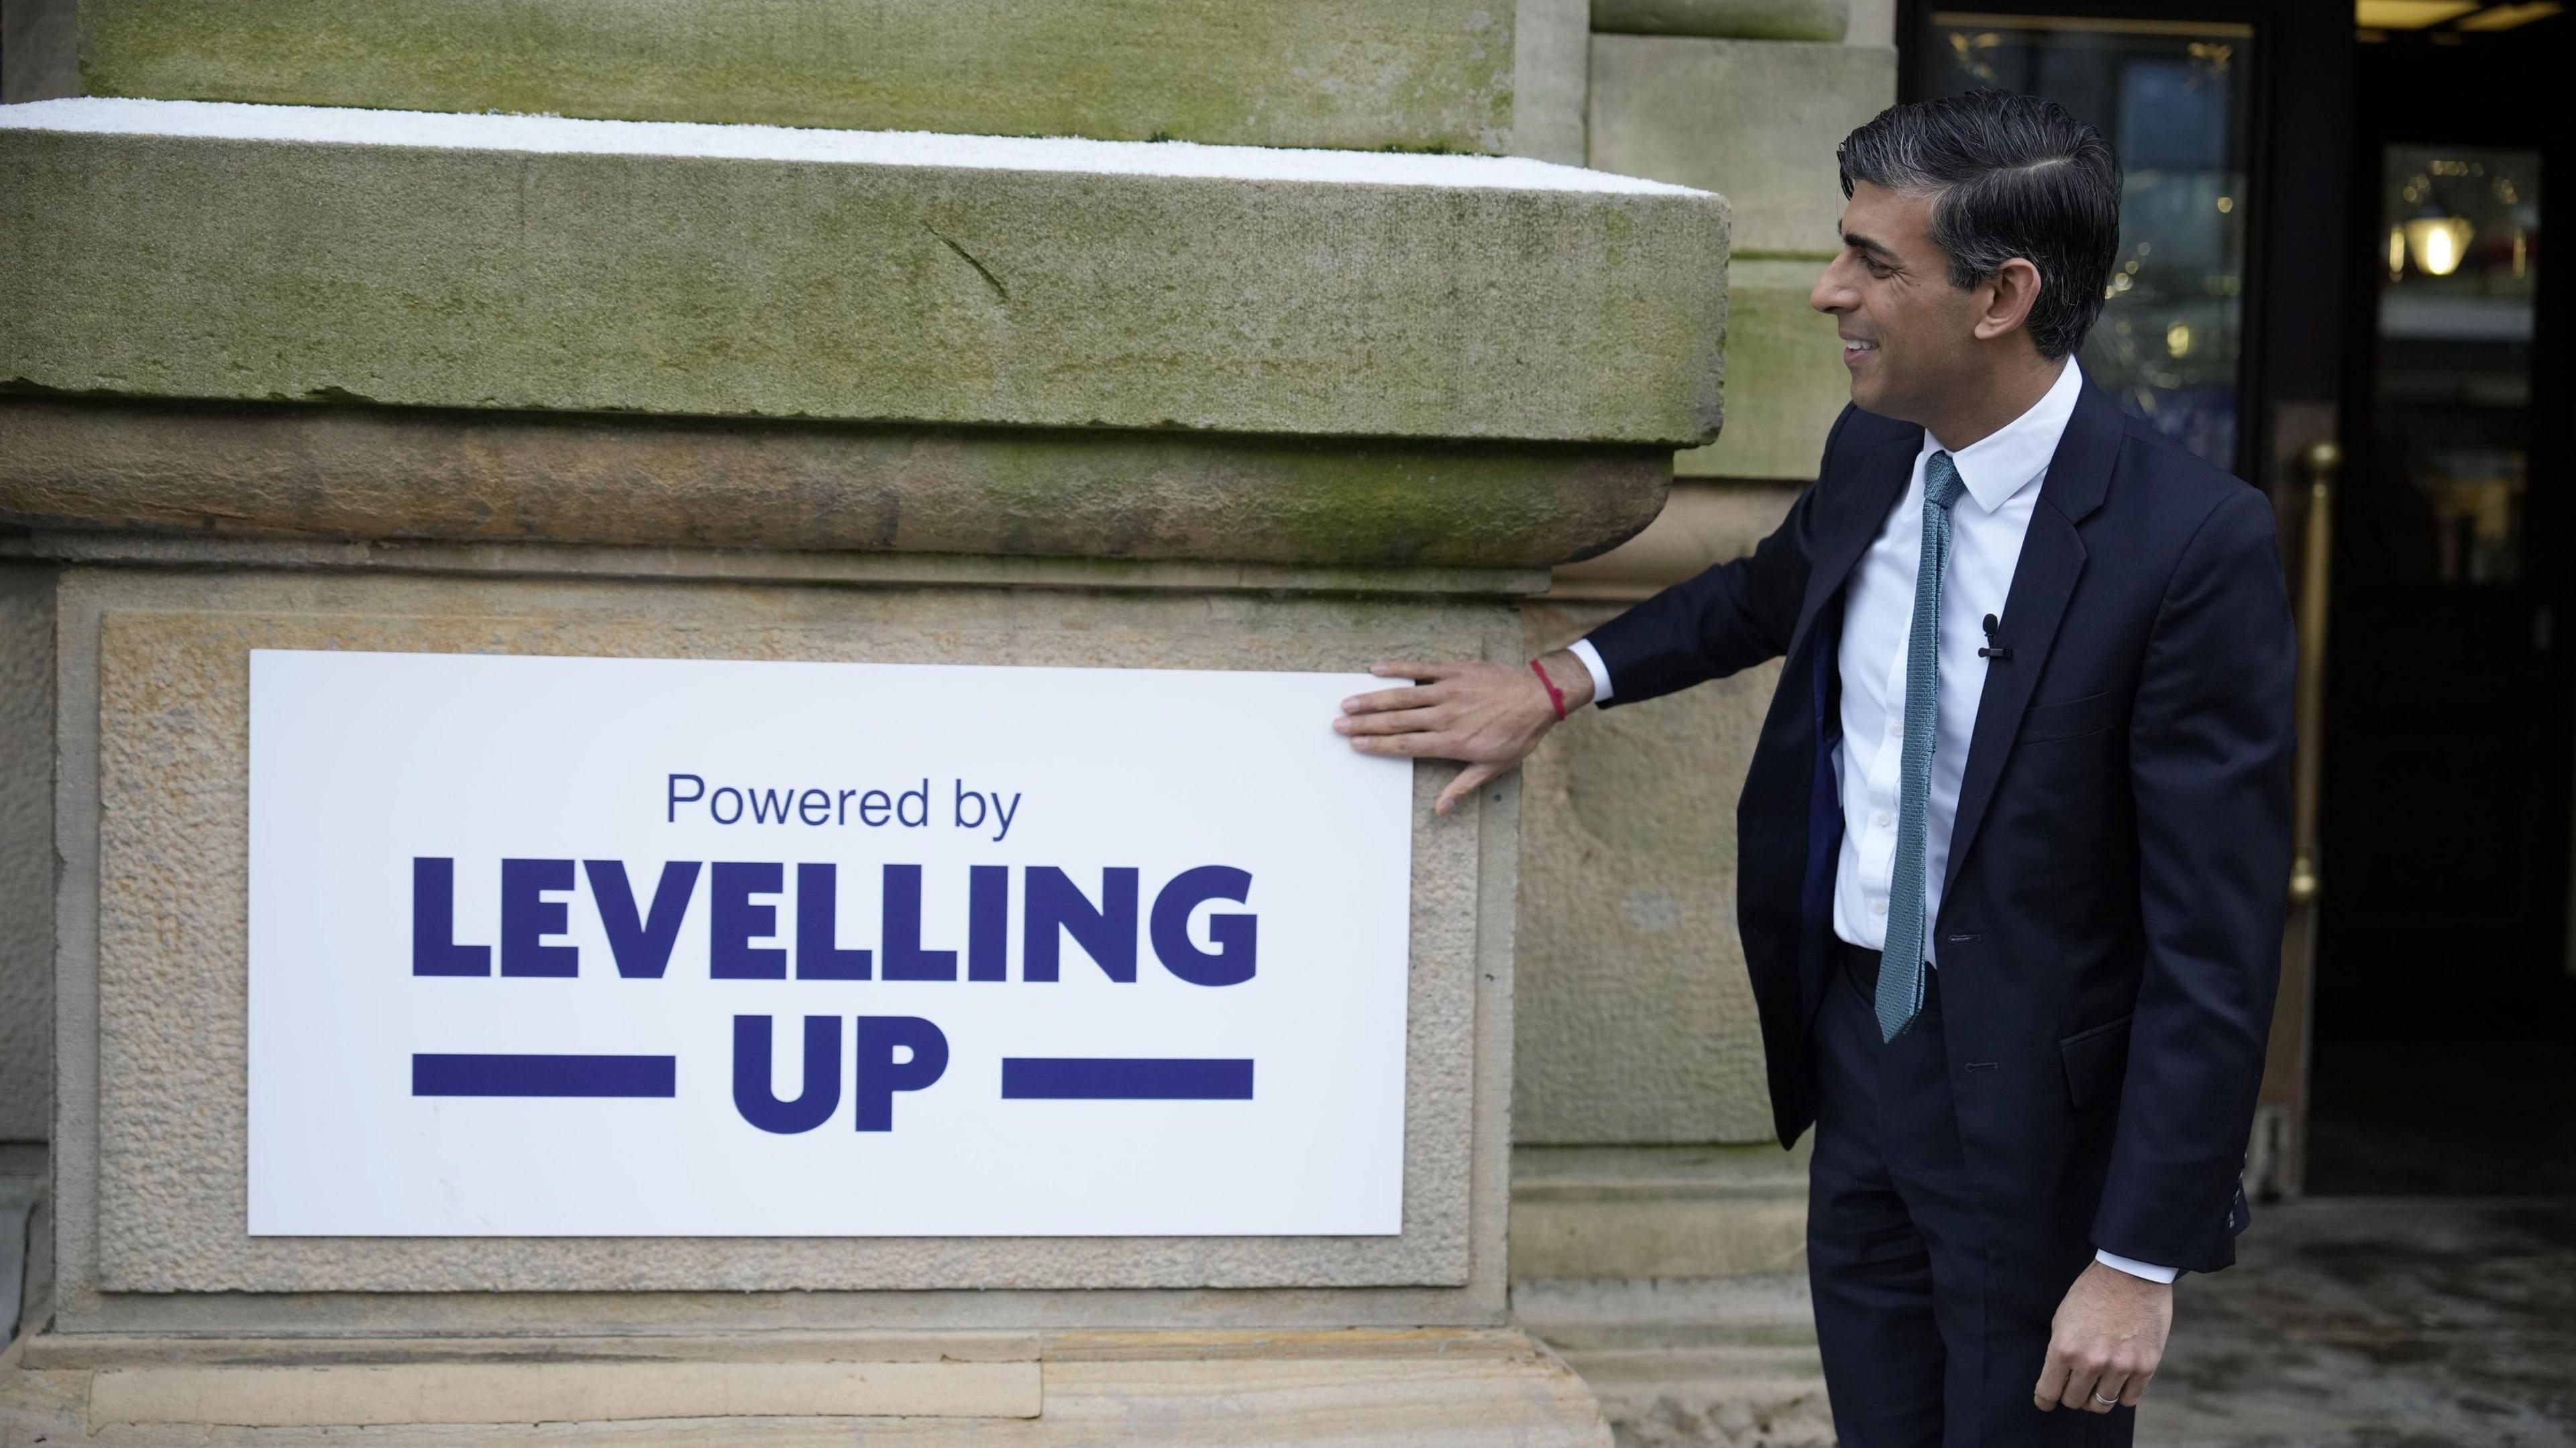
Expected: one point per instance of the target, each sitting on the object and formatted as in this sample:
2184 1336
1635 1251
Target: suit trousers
1922 1344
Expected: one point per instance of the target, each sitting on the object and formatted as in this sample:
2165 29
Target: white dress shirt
2001 475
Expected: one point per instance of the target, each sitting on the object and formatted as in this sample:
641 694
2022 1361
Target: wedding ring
2106 1402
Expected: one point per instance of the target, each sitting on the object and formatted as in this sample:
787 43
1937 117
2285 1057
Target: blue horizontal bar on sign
435 1075
1125 1078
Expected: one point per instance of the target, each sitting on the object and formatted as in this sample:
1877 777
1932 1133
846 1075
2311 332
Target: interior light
2506 17
2407 14
2438 243
2226 204
2396 252
2178 338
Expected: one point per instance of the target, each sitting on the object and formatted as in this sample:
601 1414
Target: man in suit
2015 838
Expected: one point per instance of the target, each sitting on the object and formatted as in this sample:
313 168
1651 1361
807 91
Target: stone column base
1426 1386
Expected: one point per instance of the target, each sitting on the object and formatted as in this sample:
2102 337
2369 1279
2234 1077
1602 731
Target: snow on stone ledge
456 131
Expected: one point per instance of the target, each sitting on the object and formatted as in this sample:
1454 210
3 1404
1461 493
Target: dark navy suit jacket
2110 924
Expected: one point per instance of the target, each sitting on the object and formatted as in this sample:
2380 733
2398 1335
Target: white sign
642 947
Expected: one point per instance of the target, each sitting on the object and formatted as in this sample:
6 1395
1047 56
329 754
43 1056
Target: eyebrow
1864 243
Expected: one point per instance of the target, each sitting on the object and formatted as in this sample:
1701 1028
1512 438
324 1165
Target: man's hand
2107 1340
1488 715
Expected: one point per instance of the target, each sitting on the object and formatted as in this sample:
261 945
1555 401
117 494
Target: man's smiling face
1908 334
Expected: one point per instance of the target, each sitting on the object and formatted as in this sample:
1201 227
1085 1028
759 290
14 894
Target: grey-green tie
1900 967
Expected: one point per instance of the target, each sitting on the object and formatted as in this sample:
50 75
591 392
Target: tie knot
1941 485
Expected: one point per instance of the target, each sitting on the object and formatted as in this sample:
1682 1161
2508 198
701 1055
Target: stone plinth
572 388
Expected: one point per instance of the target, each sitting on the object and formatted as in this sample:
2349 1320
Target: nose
1833 292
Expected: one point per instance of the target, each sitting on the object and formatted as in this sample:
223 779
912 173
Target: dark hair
2011 175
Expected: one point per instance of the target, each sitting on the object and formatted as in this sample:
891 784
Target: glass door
2441 979
2172 98
2450 416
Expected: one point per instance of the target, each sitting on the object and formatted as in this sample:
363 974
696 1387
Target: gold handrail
2322 461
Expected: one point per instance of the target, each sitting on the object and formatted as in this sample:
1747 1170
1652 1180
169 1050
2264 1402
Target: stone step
1690 1363
1716 1398
1434 1388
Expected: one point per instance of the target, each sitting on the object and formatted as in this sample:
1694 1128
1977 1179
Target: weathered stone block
1756 120
164 249
1610 1212
343 472
1435 73
1785 378
1553 42
39 50
1703 522
1731 19
1636 1021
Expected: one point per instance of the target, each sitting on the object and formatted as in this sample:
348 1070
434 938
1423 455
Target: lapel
1883 473
2052 558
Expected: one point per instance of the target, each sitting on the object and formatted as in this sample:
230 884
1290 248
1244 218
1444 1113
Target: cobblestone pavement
2357 1322
2379 1322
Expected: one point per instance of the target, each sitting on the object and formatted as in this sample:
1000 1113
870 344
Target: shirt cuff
2136 1268
1600 672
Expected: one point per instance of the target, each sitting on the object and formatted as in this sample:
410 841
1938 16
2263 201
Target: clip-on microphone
1993 650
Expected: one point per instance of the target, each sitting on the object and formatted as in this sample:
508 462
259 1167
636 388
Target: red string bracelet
1555 695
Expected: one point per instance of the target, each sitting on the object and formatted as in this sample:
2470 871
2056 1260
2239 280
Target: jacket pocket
2069 719
2096 1058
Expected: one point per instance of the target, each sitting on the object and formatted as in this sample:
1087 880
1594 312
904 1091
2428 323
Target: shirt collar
2012 457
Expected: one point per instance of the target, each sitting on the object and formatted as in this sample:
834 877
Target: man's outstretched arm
1490 716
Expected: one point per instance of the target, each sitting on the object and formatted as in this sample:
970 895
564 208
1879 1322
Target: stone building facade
531 386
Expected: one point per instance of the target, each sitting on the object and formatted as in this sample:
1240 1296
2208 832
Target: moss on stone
159 266
353 472
1346 73
1823 20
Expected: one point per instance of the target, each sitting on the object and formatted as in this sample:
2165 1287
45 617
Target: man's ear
2004 300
